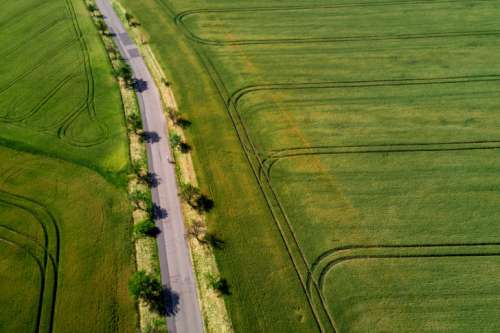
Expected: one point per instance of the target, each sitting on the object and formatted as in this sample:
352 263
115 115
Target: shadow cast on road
150 137
140 85
158 212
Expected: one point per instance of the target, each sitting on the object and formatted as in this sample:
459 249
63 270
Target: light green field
352 149
65 249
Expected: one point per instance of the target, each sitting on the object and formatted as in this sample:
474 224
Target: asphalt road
183 312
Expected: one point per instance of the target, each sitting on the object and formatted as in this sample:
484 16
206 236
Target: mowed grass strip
65 224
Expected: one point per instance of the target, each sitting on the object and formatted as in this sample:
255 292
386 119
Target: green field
352 150
65 246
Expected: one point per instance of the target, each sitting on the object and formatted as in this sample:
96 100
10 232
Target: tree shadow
165 303
150 137
184 147
214 241
171 301
152 179
153 232
158 212
204 204
222 286
183 123
140 85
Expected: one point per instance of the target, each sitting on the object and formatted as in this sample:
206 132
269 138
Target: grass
65 227
347 146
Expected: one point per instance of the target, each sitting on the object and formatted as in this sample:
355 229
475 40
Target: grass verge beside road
214 312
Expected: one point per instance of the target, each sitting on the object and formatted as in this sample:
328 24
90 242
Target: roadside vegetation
144 285
197 203
65 225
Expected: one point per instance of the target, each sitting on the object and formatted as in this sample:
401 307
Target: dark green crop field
353 151
65 250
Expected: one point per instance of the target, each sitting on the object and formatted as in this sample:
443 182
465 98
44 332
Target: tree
172 112
175 140
184 147
203 203
101 26
139 167
143 285
146 287
146 228
148 178
189 192
131 20
197 230
166 83
91 7
129 17
193 196
125 72
219 284
222 286
112 51
135 122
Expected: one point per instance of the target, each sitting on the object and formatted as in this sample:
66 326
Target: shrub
125 72
135 121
